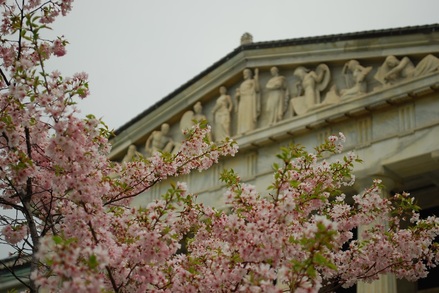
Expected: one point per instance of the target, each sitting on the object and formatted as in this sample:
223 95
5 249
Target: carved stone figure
277 96
198 115
394 70
131 154
355 78
190 117
311 84
428 64
248 100
186 121
221 113
159 141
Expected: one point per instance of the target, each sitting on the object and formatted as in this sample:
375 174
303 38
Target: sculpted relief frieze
266 96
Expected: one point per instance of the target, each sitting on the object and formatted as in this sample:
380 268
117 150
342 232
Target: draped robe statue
249 104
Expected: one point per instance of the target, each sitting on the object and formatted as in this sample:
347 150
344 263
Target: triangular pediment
347 73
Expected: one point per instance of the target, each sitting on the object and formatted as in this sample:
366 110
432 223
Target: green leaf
92 262
57 239
311 271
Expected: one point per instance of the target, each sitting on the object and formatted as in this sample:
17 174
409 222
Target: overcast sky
138 51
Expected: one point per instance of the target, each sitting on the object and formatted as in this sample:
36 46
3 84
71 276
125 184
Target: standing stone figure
249 104
159 141
356 84
277 96
311 83
221 112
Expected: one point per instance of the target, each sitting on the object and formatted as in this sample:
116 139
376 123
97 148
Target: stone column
386 283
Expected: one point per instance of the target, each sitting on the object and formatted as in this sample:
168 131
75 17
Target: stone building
380 88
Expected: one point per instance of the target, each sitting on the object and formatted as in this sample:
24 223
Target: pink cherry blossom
14 234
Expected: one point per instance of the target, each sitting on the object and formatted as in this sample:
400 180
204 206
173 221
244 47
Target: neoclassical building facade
380 88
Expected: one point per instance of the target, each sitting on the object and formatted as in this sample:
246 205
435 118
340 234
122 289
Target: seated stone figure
131 154
355 77
190 117
395 70
311 84
159 141
198 112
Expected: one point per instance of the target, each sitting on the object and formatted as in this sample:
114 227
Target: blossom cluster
300 237
14 234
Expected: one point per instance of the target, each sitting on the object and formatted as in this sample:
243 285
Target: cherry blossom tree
54 167
75 222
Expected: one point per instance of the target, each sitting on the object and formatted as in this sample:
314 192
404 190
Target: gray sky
138 51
